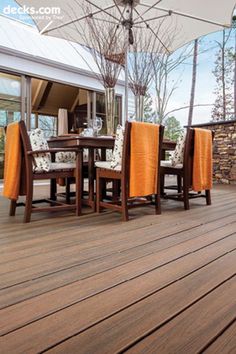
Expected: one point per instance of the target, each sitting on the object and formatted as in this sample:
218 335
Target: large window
47 123
10 107
10 98
101 110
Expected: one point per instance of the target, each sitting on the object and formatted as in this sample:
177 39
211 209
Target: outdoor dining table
91 143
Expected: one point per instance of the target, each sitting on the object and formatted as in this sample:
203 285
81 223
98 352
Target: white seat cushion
55 166
118 148
107 165
38 142
166 163
109 154
116 156
178 155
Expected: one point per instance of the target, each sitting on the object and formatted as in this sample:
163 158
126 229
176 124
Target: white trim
50 63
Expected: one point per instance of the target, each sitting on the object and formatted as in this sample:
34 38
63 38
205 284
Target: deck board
225 342
65 280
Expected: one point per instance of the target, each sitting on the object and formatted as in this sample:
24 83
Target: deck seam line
127 306
112 253
129 279
152 223
123 350
154 329
213 339
121 264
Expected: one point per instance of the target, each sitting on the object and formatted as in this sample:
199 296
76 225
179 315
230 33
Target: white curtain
62 121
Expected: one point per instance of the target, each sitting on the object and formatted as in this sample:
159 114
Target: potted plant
104 43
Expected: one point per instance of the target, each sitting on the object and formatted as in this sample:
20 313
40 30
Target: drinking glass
97 125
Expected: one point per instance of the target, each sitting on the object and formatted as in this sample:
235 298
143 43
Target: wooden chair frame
184 176
28 176
122 178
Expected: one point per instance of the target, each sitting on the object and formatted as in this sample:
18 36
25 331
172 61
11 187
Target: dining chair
137 170
182 166
36 164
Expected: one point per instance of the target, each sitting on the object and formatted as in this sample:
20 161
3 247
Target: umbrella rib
102 19
73 21
103 10
157 37
149 8
121 13
189 16
152 19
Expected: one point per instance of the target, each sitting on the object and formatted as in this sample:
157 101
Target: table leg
79 182
103 154
91 177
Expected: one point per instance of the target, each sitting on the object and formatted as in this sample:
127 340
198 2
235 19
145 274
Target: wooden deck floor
157 284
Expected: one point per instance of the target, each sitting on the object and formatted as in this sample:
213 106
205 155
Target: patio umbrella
189 19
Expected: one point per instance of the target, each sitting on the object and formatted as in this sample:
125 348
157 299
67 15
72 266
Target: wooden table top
102 141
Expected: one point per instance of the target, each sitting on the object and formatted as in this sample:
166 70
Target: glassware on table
97 125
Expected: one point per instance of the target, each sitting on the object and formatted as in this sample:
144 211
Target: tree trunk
235 74
194 76
223 79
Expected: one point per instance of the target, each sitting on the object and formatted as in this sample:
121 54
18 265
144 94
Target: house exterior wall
224 151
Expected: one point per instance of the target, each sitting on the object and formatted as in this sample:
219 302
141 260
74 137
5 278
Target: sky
205 83
5 3
205 79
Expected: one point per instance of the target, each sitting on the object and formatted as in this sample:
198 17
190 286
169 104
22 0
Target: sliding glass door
10 107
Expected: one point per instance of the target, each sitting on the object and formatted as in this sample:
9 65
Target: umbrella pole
126 83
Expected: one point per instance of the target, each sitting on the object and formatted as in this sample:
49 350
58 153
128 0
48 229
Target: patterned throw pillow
65 156
70 156
178 155
38 142
118 148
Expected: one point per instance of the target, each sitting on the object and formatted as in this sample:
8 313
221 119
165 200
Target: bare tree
223 72
103 41
140 67
193 87
106 43
164 65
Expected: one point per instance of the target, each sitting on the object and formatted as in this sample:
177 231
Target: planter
110 110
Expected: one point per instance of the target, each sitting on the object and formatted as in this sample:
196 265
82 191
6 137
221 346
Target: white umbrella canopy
168 24
189 19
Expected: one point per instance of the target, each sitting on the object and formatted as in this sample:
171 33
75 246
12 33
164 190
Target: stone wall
224 151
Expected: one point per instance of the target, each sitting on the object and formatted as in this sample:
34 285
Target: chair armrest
52 150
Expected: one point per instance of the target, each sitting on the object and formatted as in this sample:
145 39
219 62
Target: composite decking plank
225 342
110 254
181 244
44 284
123 236
40 265
41 244
188 332
54 328
28 311
120 331
23 232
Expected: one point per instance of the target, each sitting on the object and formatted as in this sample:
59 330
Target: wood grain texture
191 330
96 285
225 342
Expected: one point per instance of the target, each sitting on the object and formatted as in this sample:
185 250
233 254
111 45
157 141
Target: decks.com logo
44 12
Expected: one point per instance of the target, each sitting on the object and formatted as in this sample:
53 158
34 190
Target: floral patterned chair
37 165
181 165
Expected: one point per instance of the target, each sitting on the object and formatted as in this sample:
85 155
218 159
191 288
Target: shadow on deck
93 284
